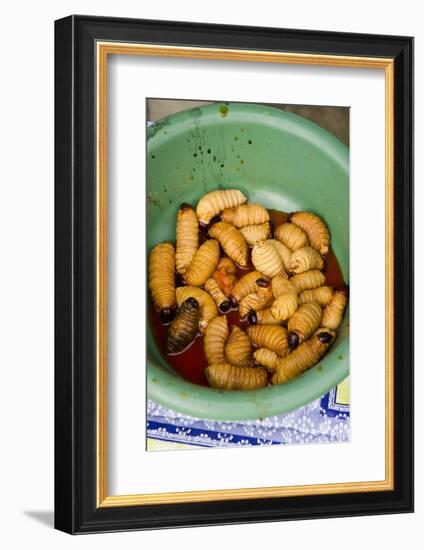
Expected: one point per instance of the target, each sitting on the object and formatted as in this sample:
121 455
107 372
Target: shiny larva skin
305 259
307 280
187 236
272 337
204 263
286 299
333 313
246 214
266 317
323 295
303 358
315 229
246 285
284 307
214 202
260 299
291 236
254 234
227 265
304 321
225 275
228 377
267 358
238 350
183 328
284 252
251 302
208 309
232 241
162 276
218 296
266 259
215 337
280 285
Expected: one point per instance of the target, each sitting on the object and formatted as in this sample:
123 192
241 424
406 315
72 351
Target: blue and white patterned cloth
325 420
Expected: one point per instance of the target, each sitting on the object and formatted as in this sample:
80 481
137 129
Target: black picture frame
76 510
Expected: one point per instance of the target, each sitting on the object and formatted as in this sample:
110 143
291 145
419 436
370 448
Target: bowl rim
224 405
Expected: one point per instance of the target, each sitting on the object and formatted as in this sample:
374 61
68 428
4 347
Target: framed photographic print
234 274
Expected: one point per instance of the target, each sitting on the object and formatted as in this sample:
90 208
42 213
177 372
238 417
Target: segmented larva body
232 242
305 259
249 303
284 252
225 275
260 299
208 309
267 358
187 236
162 279
214 202
315 229
183 328
238 350
307 280
253 234
204 263
304 357
227 265
287 288
333 314
280 285
224 376
214 340
218 296
303 323
286 299
265 317
245 285
291 235
322 295
284 307
266 259
246 214
272 337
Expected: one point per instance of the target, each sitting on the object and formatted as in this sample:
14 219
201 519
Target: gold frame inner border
104 49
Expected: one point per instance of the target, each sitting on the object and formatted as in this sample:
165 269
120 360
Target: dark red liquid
277 217
191 363
333 272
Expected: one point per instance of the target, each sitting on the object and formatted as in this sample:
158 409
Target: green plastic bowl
278 159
